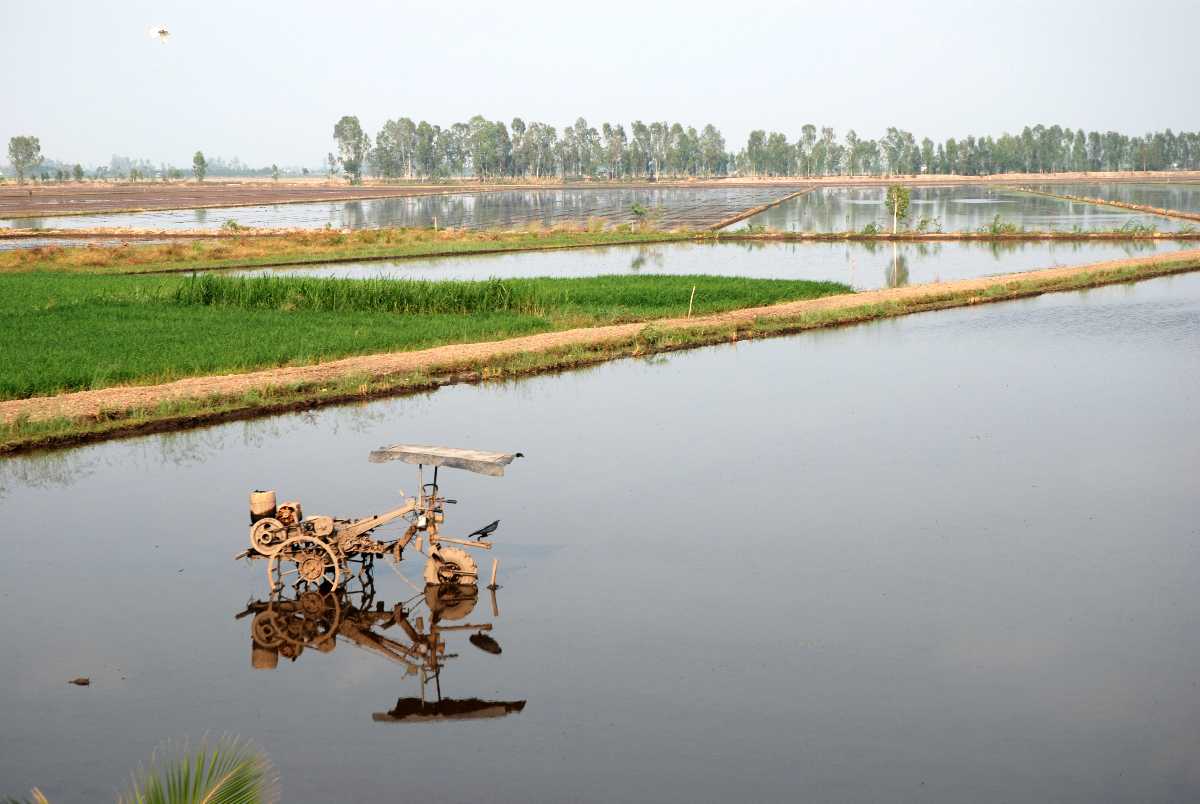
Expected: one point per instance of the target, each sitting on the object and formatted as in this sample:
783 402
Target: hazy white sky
266 80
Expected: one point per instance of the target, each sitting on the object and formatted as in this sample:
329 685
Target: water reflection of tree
46 470
999 248
896 274
647 254
511 208
353 216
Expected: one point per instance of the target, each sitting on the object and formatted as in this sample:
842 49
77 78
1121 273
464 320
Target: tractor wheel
450 565
303 561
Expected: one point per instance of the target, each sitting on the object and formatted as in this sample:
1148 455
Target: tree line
26 159
490 149
1037 149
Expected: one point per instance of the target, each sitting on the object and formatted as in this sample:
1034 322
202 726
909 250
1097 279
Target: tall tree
756 152
24 153
896 202
712 150
643 153
928 161
200 165
778 157
804 148
353 145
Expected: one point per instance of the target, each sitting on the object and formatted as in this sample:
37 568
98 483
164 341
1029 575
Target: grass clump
1137 228
999 227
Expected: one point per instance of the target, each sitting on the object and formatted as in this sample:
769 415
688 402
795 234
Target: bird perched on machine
485 531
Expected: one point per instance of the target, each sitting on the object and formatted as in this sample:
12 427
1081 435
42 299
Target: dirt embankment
1109 202
85 404
747 213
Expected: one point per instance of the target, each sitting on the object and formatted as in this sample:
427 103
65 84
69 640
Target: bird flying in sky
159 32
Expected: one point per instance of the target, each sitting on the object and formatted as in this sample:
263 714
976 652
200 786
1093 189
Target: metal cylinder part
262 505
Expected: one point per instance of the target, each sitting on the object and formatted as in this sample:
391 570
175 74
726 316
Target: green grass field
63 332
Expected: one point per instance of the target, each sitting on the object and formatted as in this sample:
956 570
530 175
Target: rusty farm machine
321 553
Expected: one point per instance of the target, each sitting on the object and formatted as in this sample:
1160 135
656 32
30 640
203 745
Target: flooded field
963 208
1181 197
106 197
862 265
909 593
666 207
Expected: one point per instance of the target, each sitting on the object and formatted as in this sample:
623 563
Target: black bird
485 643
485 531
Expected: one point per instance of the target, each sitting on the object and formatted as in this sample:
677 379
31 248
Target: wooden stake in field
692 299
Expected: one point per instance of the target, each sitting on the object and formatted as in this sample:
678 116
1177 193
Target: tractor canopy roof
473 460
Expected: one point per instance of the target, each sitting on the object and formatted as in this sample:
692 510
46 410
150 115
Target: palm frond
35 797
229 771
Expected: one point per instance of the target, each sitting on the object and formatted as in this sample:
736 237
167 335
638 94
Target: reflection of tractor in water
315 553
318 620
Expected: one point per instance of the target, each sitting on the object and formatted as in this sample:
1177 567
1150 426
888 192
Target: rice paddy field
960 208
1184 197
65 332
862 265
827 209
954 557
665 207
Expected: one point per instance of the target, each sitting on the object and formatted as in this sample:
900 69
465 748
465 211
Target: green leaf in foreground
229 771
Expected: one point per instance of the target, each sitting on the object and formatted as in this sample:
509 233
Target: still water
860 265
950 557
963 208
1163 195
666 207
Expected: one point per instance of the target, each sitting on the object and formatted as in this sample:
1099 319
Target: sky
266 81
